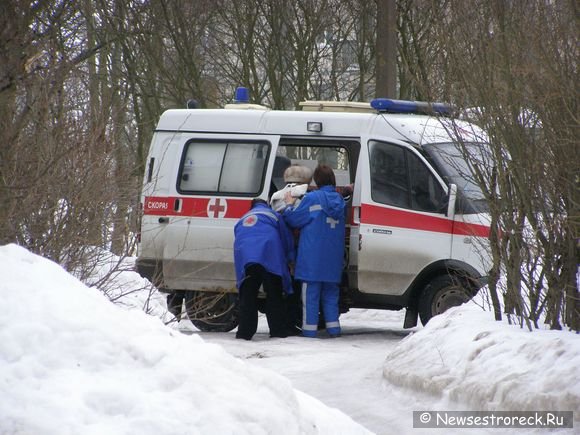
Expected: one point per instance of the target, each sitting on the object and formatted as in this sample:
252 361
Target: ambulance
417 224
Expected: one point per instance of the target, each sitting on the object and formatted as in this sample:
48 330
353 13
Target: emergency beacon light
388 105
242 95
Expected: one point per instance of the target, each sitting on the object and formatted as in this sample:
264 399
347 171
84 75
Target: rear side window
223 167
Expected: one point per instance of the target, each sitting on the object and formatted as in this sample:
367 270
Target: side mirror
452 200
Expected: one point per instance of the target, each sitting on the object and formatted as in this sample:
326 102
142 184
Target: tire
212 312
442 293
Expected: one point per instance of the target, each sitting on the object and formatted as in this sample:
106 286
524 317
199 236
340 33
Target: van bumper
151 269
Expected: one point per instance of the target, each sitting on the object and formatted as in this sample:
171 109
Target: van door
401 215
217 177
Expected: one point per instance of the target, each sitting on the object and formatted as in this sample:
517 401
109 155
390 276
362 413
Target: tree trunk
386 52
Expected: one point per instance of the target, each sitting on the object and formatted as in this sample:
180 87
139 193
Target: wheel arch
455 268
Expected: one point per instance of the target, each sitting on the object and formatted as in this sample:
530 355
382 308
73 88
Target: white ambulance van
416 222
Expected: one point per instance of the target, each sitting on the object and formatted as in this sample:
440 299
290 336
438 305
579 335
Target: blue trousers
315 294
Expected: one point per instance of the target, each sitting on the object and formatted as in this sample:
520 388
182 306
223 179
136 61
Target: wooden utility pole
386 49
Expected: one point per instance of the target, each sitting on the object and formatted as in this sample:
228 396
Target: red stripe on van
208 207
469 229
157 206
390 217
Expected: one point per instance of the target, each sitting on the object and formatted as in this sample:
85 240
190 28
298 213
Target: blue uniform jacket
320 216
262 237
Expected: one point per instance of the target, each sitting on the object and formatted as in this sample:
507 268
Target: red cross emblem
216 208
250 221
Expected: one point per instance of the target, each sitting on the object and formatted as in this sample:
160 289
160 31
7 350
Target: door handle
356 215
163 220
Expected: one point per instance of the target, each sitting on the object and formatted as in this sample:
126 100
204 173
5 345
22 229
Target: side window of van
223 167
389 184
426 192
401 179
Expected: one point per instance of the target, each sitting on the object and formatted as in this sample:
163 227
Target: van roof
417 129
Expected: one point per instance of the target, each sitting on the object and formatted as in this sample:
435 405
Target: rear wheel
211 311
442 293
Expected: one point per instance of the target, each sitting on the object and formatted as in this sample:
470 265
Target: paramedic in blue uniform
263 251
320 217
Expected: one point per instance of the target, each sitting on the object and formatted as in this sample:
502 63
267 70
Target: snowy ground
378 372
71 362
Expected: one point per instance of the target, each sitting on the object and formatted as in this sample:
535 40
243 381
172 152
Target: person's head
298 174
257 201
324 176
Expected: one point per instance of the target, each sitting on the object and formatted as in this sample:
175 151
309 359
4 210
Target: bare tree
522 85
83 84
421 54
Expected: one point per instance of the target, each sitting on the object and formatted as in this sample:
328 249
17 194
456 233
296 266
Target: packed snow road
345 372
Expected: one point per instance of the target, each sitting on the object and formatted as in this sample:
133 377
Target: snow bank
71 362
466 355
116 277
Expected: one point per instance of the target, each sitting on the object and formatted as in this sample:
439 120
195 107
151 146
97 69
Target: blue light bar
242 95
393 106
402 106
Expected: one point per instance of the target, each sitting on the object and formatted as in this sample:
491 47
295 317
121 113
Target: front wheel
442 293
211 311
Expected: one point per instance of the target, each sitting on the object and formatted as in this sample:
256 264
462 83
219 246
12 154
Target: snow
378 372
72 362
488 365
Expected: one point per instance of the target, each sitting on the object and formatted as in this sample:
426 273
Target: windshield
450 160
